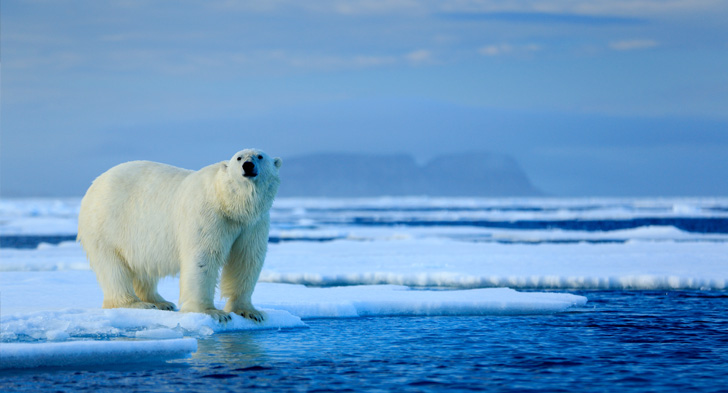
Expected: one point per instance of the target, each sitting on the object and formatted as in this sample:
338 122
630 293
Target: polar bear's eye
260 157
240 158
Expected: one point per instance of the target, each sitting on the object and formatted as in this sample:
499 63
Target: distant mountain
364 175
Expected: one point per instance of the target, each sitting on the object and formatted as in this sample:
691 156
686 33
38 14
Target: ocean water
636 341
662 326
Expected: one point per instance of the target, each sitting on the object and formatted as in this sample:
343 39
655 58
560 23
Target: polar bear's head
249 184
254 166
253 162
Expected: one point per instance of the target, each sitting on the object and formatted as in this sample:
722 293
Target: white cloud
56 61
644 7
495 50
368 7
328 62
584 7
419 56
331 62
508 49
633 44
341 7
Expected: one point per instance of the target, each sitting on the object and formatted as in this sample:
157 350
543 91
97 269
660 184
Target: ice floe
93 353
57 306
357 258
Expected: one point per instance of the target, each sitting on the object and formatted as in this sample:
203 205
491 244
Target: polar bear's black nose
249 169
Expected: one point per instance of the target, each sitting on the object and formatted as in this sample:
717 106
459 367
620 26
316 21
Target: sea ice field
342 270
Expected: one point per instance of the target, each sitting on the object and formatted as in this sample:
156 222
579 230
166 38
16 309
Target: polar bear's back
135 185
141 178
129 209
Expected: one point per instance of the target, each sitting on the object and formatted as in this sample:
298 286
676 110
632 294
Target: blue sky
593 98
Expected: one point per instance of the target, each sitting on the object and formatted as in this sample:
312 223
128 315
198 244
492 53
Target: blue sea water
621 342
633 341
606 216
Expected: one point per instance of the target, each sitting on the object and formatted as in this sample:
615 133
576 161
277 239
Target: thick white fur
141 221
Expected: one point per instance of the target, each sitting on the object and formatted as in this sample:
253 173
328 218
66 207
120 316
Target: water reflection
233 350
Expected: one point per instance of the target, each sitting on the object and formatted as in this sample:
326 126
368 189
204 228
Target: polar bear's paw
165 306
127 303
252 314
143 305
219 315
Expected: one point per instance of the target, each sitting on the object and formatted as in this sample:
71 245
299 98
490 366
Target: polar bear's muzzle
249 169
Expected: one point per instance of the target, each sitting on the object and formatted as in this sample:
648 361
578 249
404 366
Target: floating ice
433 262
58 316
391 300
125 322
93 353
159 334
403 259
39 216
50 299
64 256
59 216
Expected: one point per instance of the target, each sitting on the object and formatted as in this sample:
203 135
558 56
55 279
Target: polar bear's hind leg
146 290
116 281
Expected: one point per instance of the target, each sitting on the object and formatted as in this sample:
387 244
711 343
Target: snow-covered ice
323 263
41 308
63 256
394 300
93 353
76 314
96 323
429 261
450 263
39 216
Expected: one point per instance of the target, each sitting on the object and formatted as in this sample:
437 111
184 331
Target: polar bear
141 221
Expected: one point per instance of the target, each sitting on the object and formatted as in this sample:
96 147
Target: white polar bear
141 221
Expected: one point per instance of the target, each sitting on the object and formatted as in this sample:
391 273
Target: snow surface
449 263
401 257
394 300
322 264
39 216
76 313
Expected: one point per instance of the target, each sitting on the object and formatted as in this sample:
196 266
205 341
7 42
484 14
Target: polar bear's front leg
242 270
197 282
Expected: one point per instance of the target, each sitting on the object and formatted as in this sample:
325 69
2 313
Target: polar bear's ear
277 162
